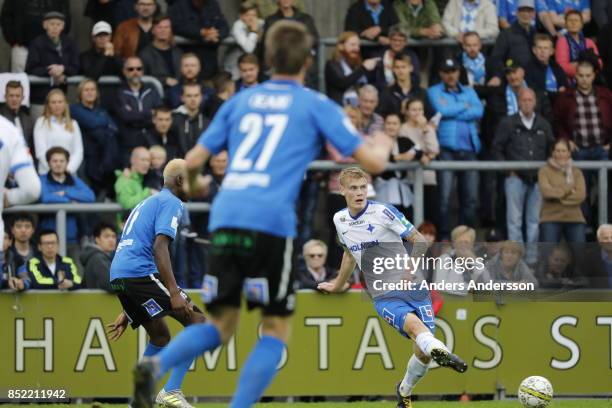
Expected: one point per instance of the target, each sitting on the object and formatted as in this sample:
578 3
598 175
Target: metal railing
103 80
61 210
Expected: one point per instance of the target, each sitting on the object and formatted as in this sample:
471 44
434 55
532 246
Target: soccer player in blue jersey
141 275
272 132
368 230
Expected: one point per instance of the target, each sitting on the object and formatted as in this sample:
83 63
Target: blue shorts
394 309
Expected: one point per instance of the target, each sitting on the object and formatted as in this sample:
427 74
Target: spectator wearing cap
543 72
201 21
371 19
419 18
573 45
514 42
16 113
22 22
53 55
100 59
346 71
134 34
162 58
583 116
133 108
398 45
523 136
461 16
460 110
507 12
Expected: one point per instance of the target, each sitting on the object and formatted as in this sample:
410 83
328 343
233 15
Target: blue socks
258 371
189 344
151 350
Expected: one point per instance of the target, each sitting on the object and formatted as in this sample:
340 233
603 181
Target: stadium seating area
507 81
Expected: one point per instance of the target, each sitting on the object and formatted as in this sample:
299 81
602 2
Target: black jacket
155 64
27 124
170 142
188 130
40 275
514 142
358 18
95 64
605 51
134 114
187 21
336 83
21 21
97 267
512 43
391 98
497 109
42 53
377 76
305 280
535 74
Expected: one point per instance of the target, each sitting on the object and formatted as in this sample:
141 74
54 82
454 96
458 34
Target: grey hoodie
97 267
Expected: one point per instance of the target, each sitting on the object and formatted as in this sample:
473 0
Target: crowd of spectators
539 90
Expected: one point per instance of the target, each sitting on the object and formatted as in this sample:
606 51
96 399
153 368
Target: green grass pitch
582 403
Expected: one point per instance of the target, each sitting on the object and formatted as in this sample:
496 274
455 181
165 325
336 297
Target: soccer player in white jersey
15 159
368 231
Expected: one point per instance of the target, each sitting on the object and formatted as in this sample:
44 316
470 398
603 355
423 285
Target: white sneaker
172 399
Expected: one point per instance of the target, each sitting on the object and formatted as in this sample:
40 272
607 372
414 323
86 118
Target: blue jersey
561 6
158 214
272 132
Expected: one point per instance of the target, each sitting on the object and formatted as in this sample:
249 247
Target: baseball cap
449 64
526 4
101 27
54 15
511 65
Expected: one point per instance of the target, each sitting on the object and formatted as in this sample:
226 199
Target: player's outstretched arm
164 266
196 158
346 269
373 155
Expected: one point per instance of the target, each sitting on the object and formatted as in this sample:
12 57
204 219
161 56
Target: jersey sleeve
396 221
168 216
335 126
215 137
20 154
339 233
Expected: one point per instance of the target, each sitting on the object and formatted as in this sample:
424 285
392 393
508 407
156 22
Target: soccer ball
535 392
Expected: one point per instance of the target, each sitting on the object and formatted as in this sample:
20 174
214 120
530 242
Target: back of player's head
352 173
174 169
288 47
101 227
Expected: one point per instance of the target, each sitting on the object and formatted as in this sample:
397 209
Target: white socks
414 372
427 342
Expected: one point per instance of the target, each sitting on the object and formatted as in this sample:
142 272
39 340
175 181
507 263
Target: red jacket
564 113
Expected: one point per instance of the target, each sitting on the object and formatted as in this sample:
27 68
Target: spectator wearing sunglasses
133 109
314 271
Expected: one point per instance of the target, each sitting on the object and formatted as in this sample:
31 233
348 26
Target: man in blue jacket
460 110
59 186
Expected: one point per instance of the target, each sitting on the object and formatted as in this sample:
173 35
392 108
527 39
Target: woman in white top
56 128
247 31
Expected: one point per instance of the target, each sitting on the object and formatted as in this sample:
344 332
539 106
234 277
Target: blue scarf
575 47
511 101
375 13
475 66
551 80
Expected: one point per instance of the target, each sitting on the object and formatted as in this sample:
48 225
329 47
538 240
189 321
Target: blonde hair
65 115
512 246
463 230
312 243
175 168
352 173
82 85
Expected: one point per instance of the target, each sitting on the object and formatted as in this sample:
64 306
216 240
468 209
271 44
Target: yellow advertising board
339 347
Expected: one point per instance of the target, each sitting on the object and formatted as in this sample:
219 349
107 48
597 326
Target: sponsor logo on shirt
362 246
275 102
